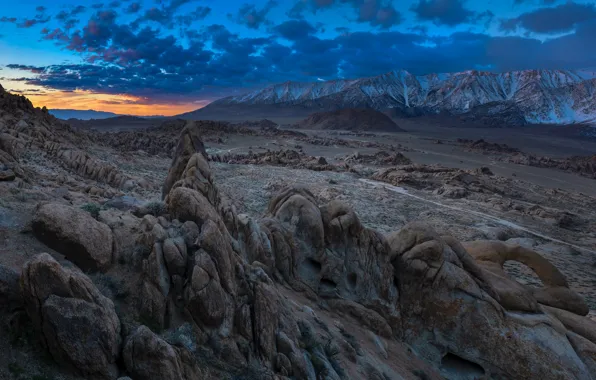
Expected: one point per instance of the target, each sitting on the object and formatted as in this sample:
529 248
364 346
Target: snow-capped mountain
535 96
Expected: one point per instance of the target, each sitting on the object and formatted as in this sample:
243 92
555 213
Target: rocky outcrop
77 324
446 314
287 158
189 143
491 255
381 158
147 356
74 233
24 128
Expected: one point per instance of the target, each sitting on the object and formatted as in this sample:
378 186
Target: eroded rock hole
327 284
460 368
522 274
312 266
352 280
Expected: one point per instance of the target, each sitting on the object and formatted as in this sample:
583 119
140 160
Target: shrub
156 208
92 208
109 286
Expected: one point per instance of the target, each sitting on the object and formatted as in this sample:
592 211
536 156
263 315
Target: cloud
199 14
30 68
294 29
133 8
443 12
163 15
40 18
377 13
542 2
551 20
150 61
381 13
249 15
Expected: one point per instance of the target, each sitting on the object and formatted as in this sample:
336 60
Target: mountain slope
350 119
541 96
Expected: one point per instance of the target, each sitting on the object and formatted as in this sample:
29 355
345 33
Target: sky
166 57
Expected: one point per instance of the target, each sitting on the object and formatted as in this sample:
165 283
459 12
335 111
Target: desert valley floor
516 186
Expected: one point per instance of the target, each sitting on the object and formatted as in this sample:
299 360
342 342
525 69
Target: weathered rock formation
74 233
76 323
218 294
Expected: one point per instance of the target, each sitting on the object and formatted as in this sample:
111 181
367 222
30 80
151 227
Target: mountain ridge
542 96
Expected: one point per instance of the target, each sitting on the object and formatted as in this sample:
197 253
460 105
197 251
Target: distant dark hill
350 119
66 114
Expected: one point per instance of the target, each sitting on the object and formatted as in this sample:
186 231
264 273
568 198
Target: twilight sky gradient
149 57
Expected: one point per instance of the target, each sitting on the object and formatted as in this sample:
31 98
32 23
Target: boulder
147 356
189 205
75 234
205 298
175 255
78 325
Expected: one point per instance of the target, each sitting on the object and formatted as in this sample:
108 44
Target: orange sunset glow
120 104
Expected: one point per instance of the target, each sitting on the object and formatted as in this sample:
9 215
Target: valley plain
513 186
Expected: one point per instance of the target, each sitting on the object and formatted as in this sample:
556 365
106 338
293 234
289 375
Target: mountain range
517 97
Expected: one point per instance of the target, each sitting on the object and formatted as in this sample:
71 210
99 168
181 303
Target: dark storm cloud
559 19
443 12
294 29
249 15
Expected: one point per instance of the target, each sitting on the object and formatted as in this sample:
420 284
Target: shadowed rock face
243 284
77 324
74 233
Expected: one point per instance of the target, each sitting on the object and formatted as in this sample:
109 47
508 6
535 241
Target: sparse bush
15 369
92 208
156 208
150 322
182 336
109 286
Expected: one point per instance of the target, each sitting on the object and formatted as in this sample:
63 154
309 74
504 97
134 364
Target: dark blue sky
146 54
